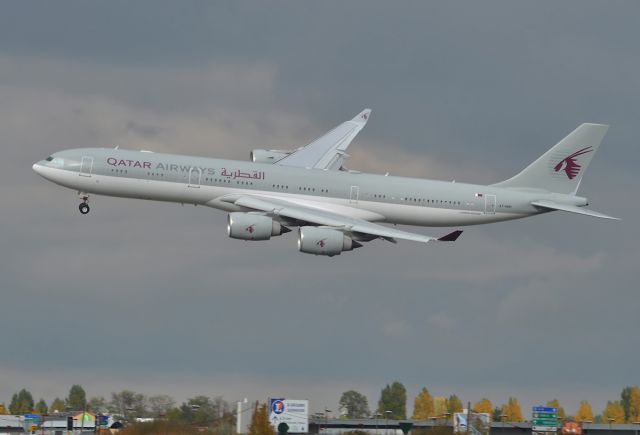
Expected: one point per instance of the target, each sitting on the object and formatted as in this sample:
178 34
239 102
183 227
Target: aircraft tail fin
560 169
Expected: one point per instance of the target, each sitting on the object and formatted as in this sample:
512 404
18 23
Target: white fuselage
210 182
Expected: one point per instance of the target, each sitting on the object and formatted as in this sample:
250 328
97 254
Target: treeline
206 411
393 405
127 406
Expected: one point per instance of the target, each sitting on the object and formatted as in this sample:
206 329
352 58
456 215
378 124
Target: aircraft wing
328 151
341 221
550 205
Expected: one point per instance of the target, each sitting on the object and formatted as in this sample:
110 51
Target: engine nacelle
268 156
249 226
324 241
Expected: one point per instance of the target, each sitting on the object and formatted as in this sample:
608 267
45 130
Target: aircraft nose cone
37 168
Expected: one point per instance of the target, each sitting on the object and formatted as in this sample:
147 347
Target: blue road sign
544 409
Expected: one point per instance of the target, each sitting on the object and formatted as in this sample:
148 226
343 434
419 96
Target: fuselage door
194 177
353 195
86 166
489 204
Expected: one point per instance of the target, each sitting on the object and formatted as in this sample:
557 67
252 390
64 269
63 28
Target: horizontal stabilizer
451 237
550 205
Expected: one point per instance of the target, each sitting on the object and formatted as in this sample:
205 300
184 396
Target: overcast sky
154 297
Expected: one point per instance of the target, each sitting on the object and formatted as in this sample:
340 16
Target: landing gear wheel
84 208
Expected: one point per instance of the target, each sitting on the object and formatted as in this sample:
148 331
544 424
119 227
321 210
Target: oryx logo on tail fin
569 164
562 167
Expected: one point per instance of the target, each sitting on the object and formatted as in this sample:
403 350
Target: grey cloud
459 91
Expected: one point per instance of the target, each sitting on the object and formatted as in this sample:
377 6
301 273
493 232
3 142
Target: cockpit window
48 159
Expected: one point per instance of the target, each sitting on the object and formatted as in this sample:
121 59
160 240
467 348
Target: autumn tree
440 406
614 411
77 399
260 424
21 403
584 412
354 404
423 405
556 404
41 407
631 403
393 398
3 409
455 405
483 406
511 410
56 406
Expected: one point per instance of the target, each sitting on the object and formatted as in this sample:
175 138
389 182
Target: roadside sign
545 419
544 422
545 409
545 415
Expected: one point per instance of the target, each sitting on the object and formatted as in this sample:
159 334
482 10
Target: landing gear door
86 166
490 204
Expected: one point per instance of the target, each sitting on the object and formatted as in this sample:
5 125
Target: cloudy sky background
154 297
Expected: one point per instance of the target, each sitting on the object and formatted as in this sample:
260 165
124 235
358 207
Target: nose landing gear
84 206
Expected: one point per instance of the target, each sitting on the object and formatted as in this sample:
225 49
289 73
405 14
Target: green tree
354 404
614 411
204 411
97 405
175 415
483 406
393 398
41 407
584 412
260 421
455 405
21 403
56 406
497 414
160 405
423 405
631 403
511 410
556 404
127 405
77 399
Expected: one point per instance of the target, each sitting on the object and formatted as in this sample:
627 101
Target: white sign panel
293 412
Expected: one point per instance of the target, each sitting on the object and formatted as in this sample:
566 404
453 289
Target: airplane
335 209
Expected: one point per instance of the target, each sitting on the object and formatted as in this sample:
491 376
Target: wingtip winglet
363 116
451 237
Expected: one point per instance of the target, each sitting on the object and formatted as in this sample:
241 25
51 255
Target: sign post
295 413
544 420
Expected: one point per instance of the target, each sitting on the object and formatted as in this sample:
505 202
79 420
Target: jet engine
324 241
268 156
250 226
